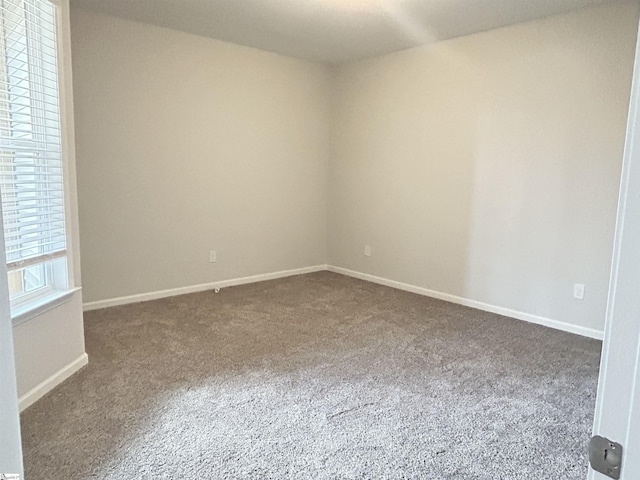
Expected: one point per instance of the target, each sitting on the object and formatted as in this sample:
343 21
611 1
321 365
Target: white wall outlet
367 250
578 291
212 256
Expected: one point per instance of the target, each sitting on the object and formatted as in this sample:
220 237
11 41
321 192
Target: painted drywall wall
50 346
487 167
187 144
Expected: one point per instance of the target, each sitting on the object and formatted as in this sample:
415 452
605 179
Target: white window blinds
30 136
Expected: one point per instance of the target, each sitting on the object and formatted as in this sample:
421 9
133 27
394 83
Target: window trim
42 305
65 100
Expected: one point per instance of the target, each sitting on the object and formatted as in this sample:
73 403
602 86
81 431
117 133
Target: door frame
618 399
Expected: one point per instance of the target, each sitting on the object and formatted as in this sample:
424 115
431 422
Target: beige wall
187 144
487 167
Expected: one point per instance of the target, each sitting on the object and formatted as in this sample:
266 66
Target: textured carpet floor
316 376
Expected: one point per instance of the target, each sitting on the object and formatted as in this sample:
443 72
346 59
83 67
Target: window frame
32 296
62 273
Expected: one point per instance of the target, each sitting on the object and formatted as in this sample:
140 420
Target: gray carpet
316 376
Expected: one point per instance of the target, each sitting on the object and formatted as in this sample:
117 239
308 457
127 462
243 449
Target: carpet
316 376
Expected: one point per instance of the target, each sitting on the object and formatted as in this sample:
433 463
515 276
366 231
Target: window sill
36 308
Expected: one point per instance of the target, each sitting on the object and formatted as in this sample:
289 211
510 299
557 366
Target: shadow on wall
400 180
549 152
487 167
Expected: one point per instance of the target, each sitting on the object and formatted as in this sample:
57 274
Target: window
31 167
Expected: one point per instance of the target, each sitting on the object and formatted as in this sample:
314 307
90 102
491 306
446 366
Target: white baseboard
527 317
143 297
40 390
547 322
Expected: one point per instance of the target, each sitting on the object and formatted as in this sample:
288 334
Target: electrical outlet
212 256
367 250
578 291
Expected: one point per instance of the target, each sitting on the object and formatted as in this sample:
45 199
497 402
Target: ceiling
333 31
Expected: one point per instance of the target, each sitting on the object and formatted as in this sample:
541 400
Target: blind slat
16 97
38 238
26 148
44 233
29 261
